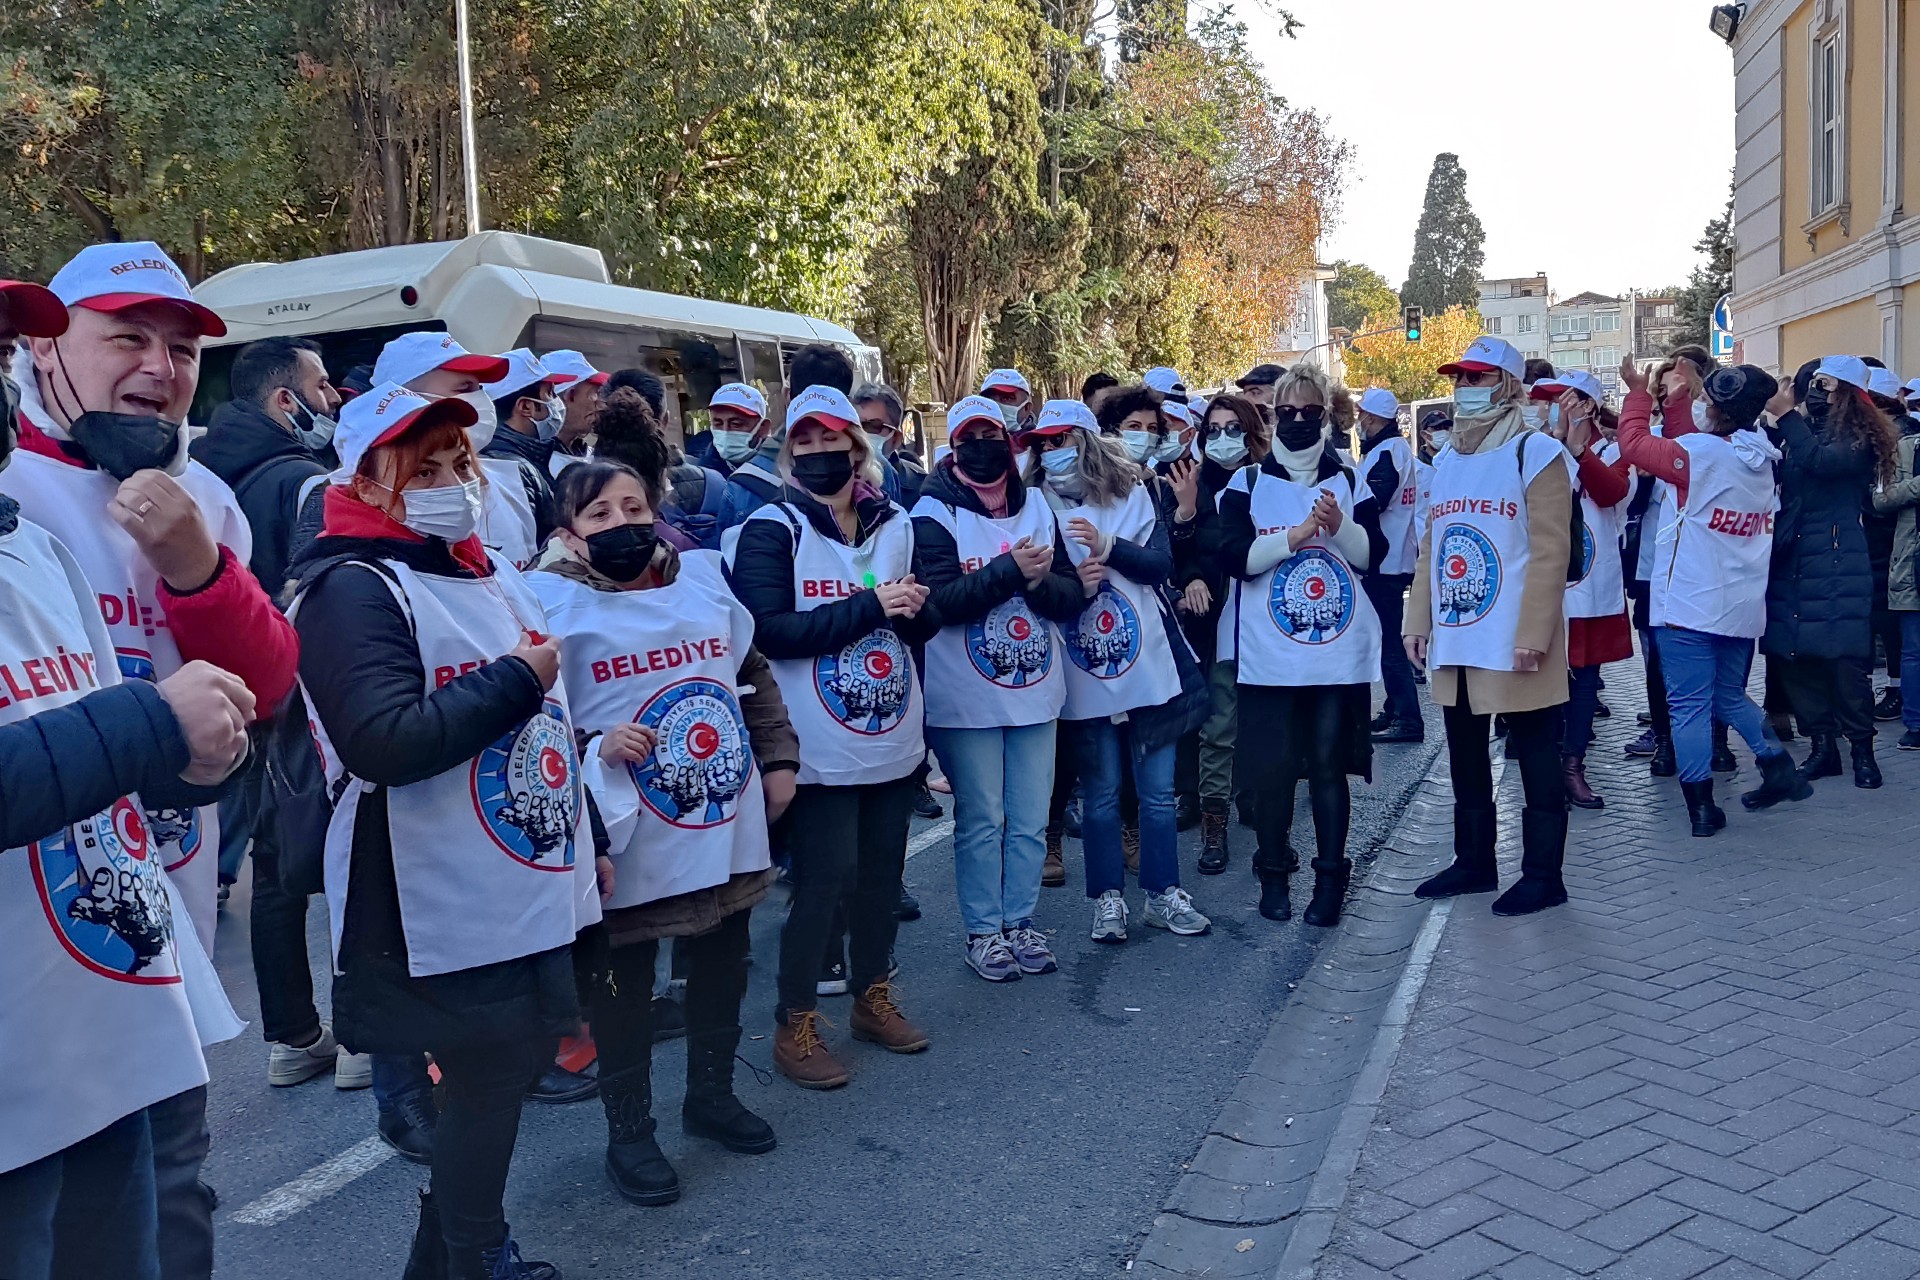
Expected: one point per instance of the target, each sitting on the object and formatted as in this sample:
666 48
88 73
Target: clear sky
1631 99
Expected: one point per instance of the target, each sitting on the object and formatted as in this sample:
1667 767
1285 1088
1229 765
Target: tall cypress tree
1448 246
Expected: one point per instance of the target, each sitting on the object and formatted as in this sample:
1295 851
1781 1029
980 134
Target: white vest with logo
692 814
1003 670
96 1022
1305 621
860 711
1712 560
1118 657
507 527
1600 591
1477 514
492 859
1396 518
70 502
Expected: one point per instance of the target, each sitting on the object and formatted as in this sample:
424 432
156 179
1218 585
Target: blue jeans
85 1211
1910 671
1583 699
1002 782
396 1076
1098 751
1706 678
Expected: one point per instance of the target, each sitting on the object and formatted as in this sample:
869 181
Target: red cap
33 309
209 324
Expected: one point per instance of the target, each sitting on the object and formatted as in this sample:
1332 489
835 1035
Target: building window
1606 357
1567 324
1492 324
1827 110
1526 324
1606 323
1663 312
1575 359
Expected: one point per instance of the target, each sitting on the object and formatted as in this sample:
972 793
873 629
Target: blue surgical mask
1138 444
1470 402
735 446
1169 449
1228 451
1554 417
1062 461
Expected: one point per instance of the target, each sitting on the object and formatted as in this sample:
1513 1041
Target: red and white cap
383 415
969 408
1006 380
414 355
828 406
524 370
113 277
1379 402
1060 416
1848 369
1488 354
567 368
1570 380
31 309
741 396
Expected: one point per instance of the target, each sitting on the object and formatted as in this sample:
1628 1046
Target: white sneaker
291 1065
352 1070
1110 917
1174 910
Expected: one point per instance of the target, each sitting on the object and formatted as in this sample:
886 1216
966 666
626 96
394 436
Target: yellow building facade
1826 255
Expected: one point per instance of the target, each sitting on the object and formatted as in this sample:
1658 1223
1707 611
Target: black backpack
1576 550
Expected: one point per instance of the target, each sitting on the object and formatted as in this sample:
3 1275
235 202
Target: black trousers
281 969
1306 730
1656 688
1388 594
479 1126
1533 738
846 843
1831 695
620 1000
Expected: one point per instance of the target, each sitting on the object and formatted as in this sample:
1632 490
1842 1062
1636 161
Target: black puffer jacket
265 466
958 597
1820 590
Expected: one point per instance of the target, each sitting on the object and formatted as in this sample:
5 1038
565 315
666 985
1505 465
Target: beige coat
1543 596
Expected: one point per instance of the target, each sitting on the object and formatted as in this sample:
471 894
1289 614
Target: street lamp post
469 149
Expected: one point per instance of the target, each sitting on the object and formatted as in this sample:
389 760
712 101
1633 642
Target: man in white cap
581 388
737 425
103 466
520 511
1167 382
1386 468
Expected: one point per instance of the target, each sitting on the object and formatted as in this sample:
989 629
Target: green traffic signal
1413 316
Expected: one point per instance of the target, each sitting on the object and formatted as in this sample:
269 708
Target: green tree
1448 245
1356 292
1711 280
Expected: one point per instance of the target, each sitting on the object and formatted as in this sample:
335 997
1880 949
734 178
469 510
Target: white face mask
1471 402
486 421
549 427
1169 449
1530 412
451 512
1700 415
1228 451
735 446
1138 444
1439 439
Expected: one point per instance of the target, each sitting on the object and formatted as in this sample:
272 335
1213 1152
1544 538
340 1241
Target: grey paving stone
1550 1207
1427 1227
1782 1257
1833 1224
1667 1258
1814 1185
1635 1223
1748 1211
1528 1235
1466 1257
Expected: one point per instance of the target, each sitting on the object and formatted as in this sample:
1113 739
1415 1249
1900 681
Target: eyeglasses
1232 430
875 426
1283 413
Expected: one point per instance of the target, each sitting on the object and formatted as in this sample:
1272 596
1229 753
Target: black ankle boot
1866 771
711 1110
639 1171
1722 761
428 1259
1213 837
1706 816
1543 846
1824 760
1779 780
1473 870
1663 765
501 1262
1274 902
1329 893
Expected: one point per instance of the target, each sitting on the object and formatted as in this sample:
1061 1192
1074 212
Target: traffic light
1413 316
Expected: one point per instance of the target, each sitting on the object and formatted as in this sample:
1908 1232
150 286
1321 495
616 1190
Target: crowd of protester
546 703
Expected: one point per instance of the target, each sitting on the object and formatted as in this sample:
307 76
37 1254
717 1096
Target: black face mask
983 461
823 474
122 443
1819 400
623 552
9 417
1298 434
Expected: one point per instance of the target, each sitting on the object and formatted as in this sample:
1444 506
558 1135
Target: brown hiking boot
876 1018
1053 872
1213 842
1130 849
802 1057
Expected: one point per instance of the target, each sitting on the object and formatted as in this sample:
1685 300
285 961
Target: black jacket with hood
266 466
959 598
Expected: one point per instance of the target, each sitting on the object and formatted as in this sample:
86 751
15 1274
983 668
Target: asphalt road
1038 1137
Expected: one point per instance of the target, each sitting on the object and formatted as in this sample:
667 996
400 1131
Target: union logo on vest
526 791
704 759
867 685
1587 553
103 896
1470 575
175 834
1010 646
1312 600
1104 641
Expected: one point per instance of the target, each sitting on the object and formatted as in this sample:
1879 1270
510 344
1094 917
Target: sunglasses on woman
1283 413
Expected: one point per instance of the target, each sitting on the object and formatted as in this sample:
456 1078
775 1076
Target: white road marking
932 836
315 1184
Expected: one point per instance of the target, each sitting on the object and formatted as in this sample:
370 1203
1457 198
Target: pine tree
1711 281
1448 245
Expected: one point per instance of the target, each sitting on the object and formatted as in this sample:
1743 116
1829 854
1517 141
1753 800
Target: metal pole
469 149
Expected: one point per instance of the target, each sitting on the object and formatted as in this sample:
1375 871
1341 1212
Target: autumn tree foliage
1407 368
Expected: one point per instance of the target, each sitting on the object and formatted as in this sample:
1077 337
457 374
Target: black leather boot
501 1262
1663 765
1275 904
428 1259
1213 837
1473 870
1824 760
1543 846
1329 893
711 1110
1779 780
1866 771
639 1171
1722 761
1186 811
1706 816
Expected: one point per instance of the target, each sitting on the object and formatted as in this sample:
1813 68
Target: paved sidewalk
1708 1064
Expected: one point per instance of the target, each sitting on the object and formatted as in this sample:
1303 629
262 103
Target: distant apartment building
1308 336
1589 331
1516 309
1656 326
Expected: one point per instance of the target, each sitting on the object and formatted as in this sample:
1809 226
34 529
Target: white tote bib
1478 516
1396 518
1118 657
95 1023
859 712
1305 621
507 527
1003 670
1712 560
692 814
1600 592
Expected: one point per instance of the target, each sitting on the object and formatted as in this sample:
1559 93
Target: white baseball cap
383 415
741 396
113 277
1009 378
1572 380
1911 389
1164 380
1178 411
413 355
1057 416
1487 354
1884 382
1848 369
1379 402
827 405
968 408
567 367
524 370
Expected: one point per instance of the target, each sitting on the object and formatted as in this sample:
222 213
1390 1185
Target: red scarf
345 516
